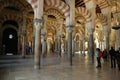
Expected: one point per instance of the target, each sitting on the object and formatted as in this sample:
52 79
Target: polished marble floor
55 68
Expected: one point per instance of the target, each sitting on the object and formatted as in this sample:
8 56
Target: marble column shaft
33 39
83 40
107 43
70 22
70 43
91 41
56 45
18 42
73 46
91 45
38 23
44 45
91 6
59 45
37 54
117 40
24 36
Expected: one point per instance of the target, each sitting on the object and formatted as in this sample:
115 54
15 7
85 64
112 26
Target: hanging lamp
116 26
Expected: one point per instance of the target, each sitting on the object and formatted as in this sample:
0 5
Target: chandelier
116 26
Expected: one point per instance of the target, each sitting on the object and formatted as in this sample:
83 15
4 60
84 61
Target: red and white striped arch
10 17
84 12
102 4
102 18
10 3
60 5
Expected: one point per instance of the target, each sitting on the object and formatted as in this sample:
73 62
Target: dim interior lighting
10 36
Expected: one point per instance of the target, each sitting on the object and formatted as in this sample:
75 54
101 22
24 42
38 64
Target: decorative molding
36 20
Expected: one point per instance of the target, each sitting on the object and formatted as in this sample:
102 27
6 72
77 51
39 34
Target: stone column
43 32
106 33
107 12
91 41
73 43
83 39
91 44
117 39
59 34
65 46
70 22
56 49
33 39
44 45
24 36
59 45
81 47
70 43
37 54
83 42
38 23
18 42
91 6
107 43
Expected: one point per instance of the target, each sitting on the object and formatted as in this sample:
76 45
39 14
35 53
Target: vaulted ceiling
19 6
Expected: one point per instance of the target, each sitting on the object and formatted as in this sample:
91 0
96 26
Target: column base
36 67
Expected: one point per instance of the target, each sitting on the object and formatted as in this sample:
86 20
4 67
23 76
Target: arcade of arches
63 26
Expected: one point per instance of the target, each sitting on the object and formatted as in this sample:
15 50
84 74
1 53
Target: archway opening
10 41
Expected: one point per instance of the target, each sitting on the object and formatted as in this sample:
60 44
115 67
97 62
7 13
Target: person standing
104 55
98 56
112 57
28 50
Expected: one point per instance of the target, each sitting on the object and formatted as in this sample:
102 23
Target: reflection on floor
55 68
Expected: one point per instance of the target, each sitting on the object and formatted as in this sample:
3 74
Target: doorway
10 41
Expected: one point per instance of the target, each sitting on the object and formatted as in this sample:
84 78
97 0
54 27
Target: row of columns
70 22
38 23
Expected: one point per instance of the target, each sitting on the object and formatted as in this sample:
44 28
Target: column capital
38 22
70 28
106 34
69 2
43 34
59 36
90 30
91 4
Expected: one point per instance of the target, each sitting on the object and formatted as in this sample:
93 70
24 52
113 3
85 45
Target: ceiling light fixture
116 26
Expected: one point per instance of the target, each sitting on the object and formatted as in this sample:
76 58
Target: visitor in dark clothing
98 58
112 57
104 55
28 50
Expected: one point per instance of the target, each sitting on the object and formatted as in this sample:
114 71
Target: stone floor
55 68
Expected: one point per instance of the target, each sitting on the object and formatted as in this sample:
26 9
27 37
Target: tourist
112 57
